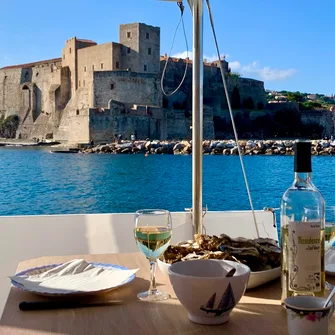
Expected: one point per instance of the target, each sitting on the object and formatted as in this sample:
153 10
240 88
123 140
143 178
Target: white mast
197 112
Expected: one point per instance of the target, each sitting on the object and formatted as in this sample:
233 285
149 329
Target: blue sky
287 44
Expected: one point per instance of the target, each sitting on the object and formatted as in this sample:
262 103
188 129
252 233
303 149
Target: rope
231 116
181 6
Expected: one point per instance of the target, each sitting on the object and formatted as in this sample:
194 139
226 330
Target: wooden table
258 312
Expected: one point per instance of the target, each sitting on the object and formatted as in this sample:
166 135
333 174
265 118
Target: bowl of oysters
261 255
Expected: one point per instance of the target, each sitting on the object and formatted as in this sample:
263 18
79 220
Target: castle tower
70 61
140 47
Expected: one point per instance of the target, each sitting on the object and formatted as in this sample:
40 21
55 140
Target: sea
35 181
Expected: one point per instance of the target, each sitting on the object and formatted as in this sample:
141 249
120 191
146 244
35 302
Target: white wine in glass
153 229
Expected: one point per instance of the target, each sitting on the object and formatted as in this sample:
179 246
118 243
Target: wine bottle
302 221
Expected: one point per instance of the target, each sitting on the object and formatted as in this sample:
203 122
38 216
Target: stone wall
10 91
127 87
213 87
144 122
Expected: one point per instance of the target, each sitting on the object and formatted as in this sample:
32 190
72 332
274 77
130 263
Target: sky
288 44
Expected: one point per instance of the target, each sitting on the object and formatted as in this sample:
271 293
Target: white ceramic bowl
256 278
204 290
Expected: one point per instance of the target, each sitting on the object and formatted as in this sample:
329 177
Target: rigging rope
181 6
231 115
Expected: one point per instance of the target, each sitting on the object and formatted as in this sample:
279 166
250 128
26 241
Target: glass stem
152 289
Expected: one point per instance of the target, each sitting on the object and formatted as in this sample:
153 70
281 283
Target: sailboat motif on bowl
226 303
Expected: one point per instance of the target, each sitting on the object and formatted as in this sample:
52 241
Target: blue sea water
34 181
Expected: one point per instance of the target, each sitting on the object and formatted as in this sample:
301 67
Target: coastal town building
93 92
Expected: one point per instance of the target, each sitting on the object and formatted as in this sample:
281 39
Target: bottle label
304 256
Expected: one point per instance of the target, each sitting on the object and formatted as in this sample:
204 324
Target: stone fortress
96 91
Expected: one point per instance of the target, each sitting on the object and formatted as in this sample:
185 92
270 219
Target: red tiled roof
53 60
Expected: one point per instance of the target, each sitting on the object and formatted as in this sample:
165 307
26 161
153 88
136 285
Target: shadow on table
137 317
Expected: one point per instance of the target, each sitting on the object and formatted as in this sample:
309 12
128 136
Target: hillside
306 101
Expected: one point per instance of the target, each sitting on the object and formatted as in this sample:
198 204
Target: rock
126 151
226 152
136 150
268 152
147 145
260 145
176 152
230 144
89 151
214 144
159 151
250 144
155 144
288 144
178 146
221 145
105 148
126 145
234 151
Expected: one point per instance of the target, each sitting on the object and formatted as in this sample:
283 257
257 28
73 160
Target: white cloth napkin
74 276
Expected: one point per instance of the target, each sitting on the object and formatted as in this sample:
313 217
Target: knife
45 305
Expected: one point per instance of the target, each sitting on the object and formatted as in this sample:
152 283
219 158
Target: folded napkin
74 276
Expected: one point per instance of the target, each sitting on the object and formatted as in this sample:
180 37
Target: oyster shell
259 254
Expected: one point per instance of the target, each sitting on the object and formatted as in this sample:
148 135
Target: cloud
189 54
267 73
254 69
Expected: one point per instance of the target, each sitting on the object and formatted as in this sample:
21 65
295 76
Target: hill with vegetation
306 101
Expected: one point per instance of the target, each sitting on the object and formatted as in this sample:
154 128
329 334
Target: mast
196 7
197 114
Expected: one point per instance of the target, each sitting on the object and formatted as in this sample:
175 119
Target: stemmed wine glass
153 229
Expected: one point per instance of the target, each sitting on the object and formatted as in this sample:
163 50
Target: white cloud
266 73
235 65
253 69
189 54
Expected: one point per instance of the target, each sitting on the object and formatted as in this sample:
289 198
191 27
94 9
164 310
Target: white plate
256 278
44 268
330 261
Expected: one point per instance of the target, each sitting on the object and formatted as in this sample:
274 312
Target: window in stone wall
37 74
145 68
147 35
117 64
93 67
149 51
83 82
128 34
70 50
128 50
77 112
102 65
112 86
63 56
84 68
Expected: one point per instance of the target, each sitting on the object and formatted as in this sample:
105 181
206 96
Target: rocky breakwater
215 147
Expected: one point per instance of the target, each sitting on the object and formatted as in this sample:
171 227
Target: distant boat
226 303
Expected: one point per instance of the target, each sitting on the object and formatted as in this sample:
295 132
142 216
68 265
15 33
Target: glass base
153 296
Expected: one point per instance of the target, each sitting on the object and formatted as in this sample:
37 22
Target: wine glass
153 229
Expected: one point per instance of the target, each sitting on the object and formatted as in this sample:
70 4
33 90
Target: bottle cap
303 157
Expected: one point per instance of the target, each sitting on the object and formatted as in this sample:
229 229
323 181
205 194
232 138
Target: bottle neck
302 179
